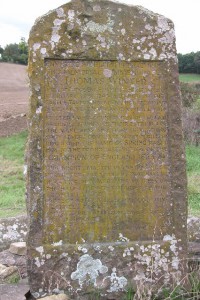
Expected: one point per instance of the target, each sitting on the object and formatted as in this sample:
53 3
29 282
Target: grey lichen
88 267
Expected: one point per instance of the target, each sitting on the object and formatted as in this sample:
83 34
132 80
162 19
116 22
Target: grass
189 77
193 172
12 189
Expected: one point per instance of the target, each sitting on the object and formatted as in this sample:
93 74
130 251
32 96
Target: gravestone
106 168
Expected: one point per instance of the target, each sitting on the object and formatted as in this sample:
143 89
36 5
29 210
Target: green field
12 199
12 189
189 77
193 173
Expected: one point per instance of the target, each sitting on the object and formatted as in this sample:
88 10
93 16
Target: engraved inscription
106 161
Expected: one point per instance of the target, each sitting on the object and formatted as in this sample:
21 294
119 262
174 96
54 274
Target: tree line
18 53
15 53
189 63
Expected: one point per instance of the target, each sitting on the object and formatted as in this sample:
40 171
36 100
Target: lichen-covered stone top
102 30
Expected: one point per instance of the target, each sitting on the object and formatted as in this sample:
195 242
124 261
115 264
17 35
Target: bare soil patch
14 94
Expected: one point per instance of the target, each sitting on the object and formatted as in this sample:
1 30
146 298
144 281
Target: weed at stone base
194 279
129 294
187 288
178 292
95 295
14 279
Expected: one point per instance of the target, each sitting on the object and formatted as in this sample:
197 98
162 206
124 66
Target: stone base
105 269
13 291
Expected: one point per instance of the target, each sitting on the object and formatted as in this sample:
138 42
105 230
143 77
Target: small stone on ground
9 259
56 297
18 248
7 274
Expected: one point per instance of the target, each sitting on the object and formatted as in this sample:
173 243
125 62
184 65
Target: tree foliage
15 53
189 63
1 50
197 61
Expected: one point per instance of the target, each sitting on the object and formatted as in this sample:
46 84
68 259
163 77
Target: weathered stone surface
18 248
13 291
194 257
12 230
193 227
106 167
194 249
9 259
56 297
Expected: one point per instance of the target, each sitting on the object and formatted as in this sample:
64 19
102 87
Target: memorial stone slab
106 178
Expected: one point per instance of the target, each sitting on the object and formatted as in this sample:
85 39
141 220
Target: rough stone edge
174 132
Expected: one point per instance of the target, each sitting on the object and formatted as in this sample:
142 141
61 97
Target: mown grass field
12 192
189 77
12 189
193 174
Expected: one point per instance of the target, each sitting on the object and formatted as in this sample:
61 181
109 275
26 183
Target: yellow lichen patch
105 140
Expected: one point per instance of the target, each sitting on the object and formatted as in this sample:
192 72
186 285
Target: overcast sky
18 16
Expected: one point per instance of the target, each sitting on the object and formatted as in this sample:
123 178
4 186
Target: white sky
18 16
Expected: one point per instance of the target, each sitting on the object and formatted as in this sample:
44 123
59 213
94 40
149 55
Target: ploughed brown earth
14 94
